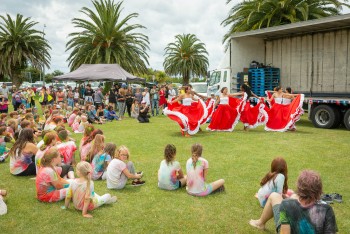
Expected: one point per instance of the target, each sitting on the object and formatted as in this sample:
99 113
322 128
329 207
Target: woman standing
285 112
189 114
162 99
121 101
129 100
226 116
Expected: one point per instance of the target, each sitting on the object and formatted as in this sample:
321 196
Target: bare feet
256 224
3 193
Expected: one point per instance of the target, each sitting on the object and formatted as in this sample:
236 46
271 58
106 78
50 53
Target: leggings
31 170
100 200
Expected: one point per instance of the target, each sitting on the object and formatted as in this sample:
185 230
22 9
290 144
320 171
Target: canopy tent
94 72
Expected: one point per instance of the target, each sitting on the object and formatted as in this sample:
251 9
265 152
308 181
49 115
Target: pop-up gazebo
99 72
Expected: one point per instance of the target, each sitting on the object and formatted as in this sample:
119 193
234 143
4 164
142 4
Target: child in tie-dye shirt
81 191
274 181
197 169
170 175
101 160
67 147
50 187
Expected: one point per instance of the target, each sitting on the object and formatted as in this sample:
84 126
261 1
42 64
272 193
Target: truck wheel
324 116
347 119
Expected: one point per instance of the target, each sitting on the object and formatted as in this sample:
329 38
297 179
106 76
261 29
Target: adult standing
227 115
43 99
171 93
88 94
31 96
162 99
4 98
98 98
112 98
145 97
60 96
121 101
70 97
138 95
16 98
189 114
155 100
129 100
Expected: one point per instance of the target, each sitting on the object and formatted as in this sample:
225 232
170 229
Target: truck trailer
313 58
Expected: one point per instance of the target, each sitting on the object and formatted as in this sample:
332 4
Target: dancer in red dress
189 114
162 99
285 112
252 116
226 116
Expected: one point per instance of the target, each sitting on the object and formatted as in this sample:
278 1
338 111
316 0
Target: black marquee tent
99 72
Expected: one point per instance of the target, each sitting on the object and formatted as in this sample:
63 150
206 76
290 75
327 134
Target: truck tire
324 116
347 119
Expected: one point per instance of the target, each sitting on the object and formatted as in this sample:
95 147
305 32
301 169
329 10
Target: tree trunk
186 77
16 79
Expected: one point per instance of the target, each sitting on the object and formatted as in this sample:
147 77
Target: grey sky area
163 18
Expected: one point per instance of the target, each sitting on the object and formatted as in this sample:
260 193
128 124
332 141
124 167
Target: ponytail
85 171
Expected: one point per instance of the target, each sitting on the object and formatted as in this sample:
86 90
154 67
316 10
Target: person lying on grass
81 191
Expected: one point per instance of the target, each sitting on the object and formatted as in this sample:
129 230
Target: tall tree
186 56
21 45
105 37
257 14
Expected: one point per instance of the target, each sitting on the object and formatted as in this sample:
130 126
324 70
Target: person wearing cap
143 114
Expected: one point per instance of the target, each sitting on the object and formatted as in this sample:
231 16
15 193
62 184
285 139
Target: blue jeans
155 104
70 102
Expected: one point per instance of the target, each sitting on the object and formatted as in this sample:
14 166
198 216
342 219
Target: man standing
155 100
88 94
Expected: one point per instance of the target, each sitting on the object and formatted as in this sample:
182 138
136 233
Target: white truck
313 57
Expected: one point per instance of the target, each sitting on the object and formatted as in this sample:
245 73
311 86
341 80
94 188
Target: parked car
200 88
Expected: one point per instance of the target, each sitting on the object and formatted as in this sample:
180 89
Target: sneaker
2 159
138 183
337 197
327 198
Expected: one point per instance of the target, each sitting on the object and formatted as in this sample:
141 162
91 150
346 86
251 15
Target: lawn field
241 158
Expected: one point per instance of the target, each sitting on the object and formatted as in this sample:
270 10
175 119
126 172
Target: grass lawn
241 158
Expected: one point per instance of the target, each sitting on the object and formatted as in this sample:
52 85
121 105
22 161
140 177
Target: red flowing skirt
209 105
283 117
226 116
253 116
188 117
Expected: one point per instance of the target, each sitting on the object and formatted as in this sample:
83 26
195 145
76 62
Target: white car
200 88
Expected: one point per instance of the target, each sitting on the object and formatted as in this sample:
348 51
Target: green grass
241 158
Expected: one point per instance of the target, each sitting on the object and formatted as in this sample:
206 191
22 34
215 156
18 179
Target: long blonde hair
85 170
97 145
121 148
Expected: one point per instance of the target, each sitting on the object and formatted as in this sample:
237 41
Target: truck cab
220 78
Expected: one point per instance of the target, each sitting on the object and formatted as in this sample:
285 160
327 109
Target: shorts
276 216
207 191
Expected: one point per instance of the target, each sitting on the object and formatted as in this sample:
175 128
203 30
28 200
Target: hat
58 106
143 102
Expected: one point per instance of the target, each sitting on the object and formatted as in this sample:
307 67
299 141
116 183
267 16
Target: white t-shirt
115 177
275 185
167 175
195 176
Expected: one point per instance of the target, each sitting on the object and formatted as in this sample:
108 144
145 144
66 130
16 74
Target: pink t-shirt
45 190
71 119
67 150
195 176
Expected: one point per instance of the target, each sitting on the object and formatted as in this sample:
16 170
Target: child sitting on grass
100 161
197 170
81 191
66 147
50 187
170 175
5 137
276 180
120 169
3 207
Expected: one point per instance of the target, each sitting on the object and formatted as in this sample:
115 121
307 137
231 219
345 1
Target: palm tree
21 45
187 55
256 14
106 38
